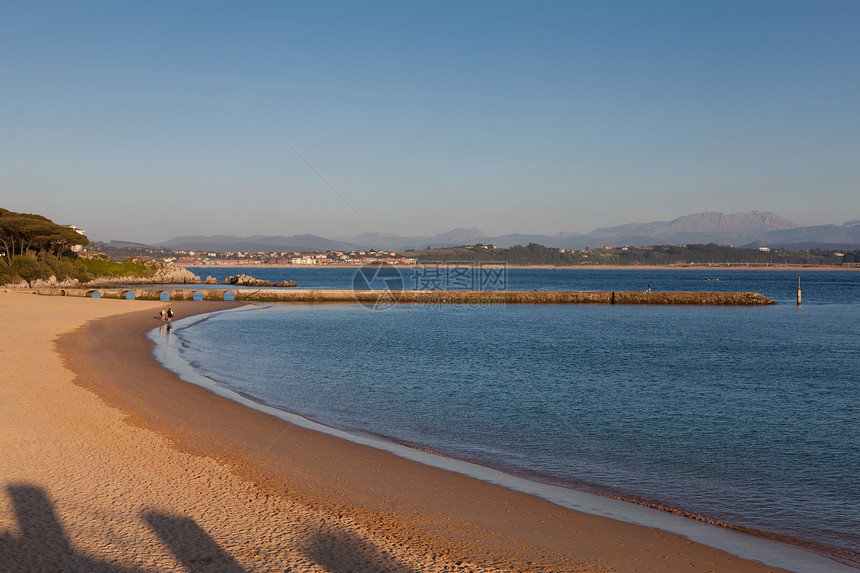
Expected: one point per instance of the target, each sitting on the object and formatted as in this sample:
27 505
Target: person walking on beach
163 314
169 315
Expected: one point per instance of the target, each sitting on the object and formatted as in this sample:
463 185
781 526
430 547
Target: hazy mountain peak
707 223
743 223
460 234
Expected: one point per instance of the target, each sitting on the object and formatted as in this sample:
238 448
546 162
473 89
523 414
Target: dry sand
111 463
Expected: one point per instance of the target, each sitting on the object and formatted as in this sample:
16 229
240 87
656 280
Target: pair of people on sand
166 314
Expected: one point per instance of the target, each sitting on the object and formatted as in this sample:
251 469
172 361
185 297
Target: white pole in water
798 290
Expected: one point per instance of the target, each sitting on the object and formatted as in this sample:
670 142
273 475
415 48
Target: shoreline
371 504
696 267
772 549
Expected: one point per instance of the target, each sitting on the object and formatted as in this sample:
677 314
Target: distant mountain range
749 229
227 243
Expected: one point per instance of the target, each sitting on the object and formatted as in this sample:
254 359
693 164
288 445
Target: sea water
747 416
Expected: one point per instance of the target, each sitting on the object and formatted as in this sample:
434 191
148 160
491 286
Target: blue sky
144 121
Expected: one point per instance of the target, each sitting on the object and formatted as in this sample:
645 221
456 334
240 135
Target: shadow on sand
342 551
43 545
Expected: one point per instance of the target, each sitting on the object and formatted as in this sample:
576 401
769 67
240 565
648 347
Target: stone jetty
417 297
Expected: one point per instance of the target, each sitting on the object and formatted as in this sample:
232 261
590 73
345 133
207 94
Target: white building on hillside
77 248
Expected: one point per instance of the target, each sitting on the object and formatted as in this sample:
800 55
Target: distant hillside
749 228
711 223
689 255
227 243
752 228
819 236
389 241
720 228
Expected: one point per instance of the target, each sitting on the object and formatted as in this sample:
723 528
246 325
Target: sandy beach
112 463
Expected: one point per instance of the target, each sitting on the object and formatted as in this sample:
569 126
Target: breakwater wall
377 297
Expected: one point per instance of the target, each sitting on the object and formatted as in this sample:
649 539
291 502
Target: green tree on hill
32 247
21 233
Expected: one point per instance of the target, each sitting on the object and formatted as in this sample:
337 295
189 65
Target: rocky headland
166 274
247 280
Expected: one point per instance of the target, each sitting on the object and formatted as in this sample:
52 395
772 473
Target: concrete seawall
374 297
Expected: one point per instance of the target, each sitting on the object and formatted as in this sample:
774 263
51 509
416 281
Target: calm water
747 416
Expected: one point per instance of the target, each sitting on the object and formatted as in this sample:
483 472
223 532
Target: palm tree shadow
192 546
341 551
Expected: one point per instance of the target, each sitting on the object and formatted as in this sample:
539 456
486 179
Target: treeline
21 233
535 254
33 247
852 257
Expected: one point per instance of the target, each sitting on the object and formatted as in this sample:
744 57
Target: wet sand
112 463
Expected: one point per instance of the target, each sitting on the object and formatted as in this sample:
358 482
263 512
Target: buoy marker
798 290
